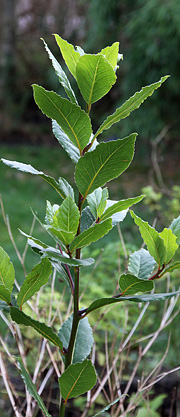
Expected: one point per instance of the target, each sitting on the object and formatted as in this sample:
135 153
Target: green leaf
144 298
169 243
97 201
73 121
119 206
50 212
63 79
103 164
34 281
32 388
90 235
152 239
67 216
54 254
111 53
65 221
132 104
65 142
21 318
77 379
44 226
62 272
7 273
171 268
87 219
69 54
30 170
84 338
95 77
5 294
130 284
175 227
141 264
66 187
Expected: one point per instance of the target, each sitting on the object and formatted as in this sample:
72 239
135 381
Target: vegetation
83 218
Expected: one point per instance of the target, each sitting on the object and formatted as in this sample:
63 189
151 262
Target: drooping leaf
40 245
97 201
141 264
34 281
171 268
77 379
169 243
144 298
130 284
32 388
30 170
63 79
95 77
65 142
103 164
92 234
7 273
73 121
54 254
175 227
84 338
132 104
21 318
87 219
152 239
70 55
111 53
119 206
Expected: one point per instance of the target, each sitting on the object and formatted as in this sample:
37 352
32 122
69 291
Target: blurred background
149 36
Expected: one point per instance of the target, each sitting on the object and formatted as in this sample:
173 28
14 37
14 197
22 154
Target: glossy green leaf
144 298
7 273
130 105
97 201
95 77
130 284
70 55
141 264
30 170
63 79
169 243
171 268
175 227
92 234
103 164
87 219
32 240
34 281
77 379
65 237
111 53
119 206
84 338
152 239
21 318
74 122
65 142
32 388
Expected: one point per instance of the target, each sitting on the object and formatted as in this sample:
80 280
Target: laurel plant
73 225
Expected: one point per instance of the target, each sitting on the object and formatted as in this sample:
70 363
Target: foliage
95 165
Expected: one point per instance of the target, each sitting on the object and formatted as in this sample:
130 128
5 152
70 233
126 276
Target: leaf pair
161 246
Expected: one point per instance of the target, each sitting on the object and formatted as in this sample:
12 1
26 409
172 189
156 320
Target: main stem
76 317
